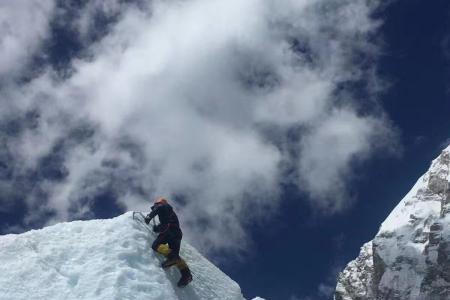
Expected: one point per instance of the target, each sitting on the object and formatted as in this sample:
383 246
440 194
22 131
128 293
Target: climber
169 233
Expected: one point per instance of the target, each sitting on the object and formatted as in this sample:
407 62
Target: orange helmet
161 200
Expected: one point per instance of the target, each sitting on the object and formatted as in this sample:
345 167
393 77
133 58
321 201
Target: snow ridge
101 259
409 258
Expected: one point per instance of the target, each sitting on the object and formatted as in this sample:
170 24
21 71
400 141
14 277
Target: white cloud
330 148
23 26
176 94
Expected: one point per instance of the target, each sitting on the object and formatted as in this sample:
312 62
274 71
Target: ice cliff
101 259
409 258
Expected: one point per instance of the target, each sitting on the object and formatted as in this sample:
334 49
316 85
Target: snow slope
101 259
409 258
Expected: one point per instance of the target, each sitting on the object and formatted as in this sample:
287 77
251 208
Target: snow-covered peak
102 259
409 258
425 198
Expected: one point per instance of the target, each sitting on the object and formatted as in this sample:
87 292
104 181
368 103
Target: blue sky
415 62
284 136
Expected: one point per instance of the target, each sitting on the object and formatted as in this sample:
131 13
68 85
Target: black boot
186 277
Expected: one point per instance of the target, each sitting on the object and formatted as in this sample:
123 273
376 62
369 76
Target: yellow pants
165 251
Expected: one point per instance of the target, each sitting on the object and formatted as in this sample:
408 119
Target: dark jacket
166 215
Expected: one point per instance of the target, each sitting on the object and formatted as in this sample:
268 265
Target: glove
147 220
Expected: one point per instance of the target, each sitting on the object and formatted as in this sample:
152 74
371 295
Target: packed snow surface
102 259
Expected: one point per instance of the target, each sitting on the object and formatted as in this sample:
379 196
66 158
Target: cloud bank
215 104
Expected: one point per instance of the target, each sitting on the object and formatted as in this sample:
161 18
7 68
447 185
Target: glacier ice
101 259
